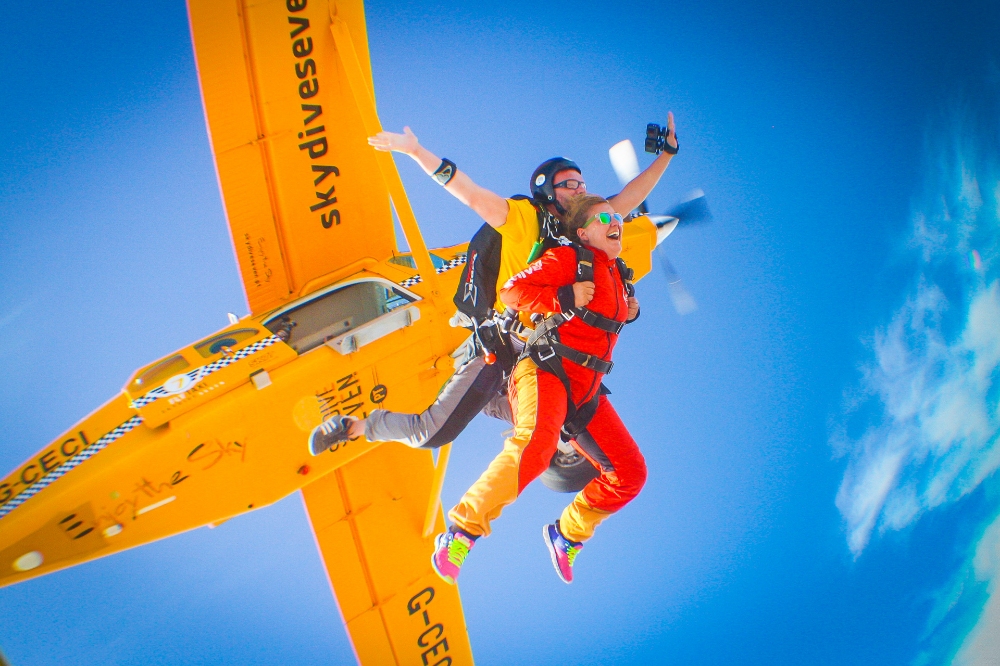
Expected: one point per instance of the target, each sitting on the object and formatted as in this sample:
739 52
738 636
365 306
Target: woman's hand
405 143
633 308
583 293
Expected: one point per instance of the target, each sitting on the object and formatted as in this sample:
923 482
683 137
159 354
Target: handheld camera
656 138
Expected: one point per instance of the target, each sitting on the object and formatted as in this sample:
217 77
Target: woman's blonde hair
576 212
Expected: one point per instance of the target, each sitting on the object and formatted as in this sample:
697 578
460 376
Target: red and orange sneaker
562 550
452 548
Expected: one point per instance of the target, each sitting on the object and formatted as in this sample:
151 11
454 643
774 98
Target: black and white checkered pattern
70 464
448 265
199 374
452 263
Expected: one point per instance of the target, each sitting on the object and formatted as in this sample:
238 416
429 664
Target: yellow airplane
340 323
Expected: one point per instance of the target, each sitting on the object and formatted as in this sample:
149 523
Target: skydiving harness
498 336
477 290
547 352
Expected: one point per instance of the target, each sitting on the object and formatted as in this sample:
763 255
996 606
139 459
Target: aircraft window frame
406 259
241 337
154 375
405 298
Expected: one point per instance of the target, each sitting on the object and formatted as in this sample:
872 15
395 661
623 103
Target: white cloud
930 393
981 646
937 437
931 388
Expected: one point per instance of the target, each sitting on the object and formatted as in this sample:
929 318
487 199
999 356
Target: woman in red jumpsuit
539 401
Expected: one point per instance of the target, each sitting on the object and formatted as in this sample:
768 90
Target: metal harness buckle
542 350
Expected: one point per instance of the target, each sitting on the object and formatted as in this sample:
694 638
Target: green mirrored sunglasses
603 218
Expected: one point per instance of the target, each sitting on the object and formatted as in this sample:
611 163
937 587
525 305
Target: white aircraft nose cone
28 561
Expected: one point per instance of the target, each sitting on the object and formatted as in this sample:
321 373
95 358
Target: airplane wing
219 427
368 521
302 189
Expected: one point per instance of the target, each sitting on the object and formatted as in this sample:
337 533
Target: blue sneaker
332 431
452 547
562 550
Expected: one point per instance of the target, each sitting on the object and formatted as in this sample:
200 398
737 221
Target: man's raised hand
671 130
488 205
405 143
583 293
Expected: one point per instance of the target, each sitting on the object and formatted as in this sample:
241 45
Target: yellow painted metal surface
638 243
217 452
114 481
437 483
302 189
220 427
364 97
368 520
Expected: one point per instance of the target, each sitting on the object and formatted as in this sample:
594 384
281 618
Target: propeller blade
624 161
693 210
682 299
626 165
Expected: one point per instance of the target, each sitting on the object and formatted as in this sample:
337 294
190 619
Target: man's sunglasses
603 218
571 184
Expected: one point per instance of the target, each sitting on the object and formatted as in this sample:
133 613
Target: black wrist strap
444 173
667 148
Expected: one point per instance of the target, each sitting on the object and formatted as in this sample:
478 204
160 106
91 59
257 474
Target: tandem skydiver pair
559 220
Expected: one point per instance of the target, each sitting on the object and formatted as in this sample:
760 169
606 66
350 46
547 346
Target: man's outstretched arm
636 191
488 205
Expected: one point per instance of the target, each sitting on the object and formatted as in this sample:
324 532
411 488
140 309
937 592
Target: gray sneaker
329 433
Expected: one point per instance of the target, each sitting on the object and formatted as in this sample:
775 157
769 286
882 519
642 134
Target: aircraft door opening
346 316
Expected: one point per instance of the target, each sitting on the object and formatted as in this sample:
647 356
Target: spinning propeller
692 210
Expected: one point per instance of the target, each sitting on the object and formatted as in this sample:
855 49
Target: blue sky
821 433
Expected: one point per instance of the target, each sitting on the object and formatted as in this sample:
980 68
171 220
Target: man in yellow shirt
517 219
477 385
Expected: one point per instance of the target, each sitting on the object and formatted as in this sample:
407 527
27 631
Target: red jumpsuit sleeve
544 286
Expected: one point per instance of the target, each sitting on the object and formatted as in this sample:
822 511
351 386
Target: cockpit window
223 341
408 261
309 325
158 374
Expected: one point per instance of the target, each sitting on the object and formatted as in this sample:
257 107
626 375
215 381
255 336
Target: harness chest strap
546 344
586 360
596 320
547 352
544 340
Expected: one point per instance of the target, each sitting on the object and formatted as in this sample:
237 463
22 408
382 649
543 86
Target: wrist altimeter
445 172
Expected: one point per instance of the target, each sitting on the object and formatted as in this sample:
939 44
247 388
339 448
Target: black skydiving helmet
541 181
